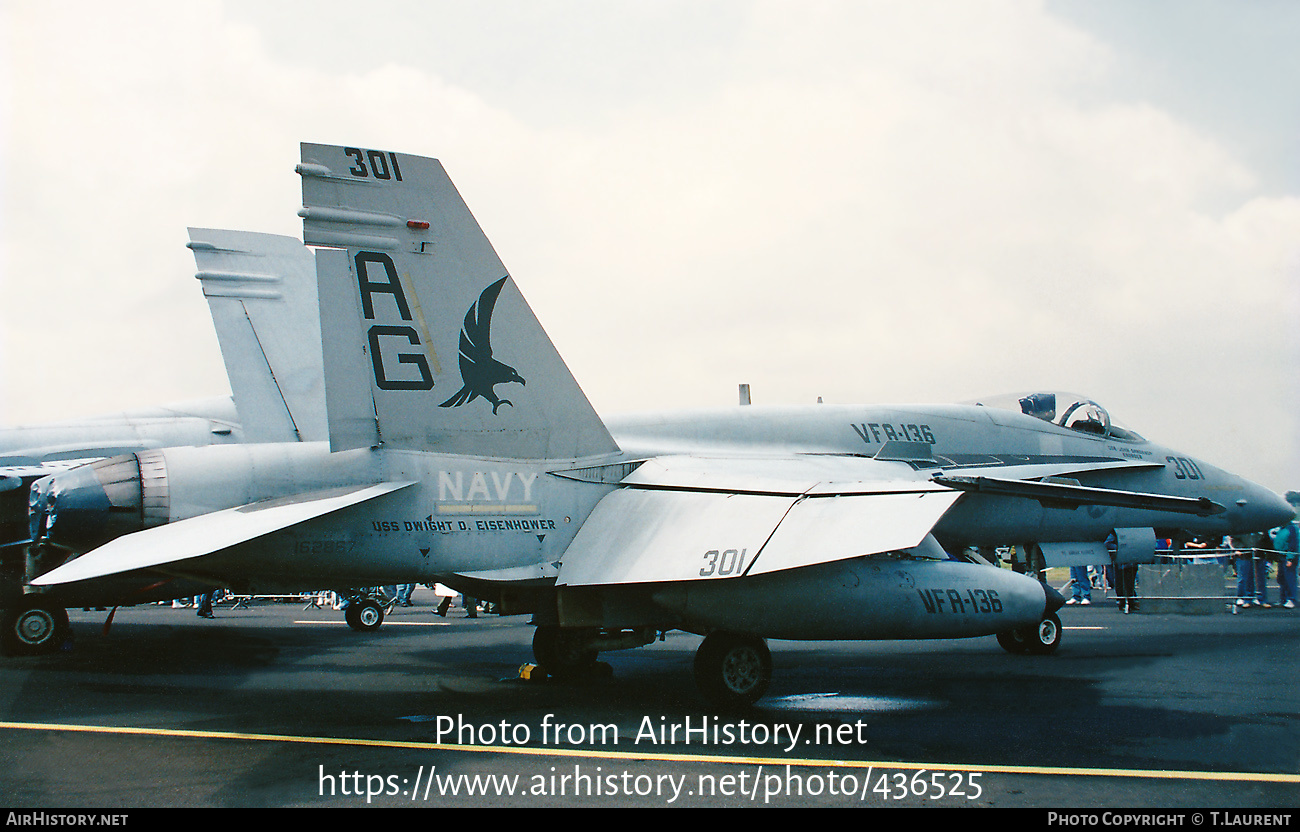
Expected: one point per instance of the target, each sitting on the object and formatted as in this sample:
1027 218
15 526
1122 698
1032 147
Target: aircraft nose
1055 600
1261 509
82 508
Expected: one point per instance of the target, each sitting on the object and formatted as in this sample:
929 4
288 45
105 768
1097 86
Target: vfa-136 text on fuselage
461 448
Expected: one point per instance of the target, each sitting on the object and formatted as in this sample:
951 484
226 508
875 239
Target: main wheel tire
564 652
364 615
32 629
732 671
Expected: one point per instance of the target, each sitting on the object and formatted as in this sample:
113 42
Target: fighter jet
261 293
824 522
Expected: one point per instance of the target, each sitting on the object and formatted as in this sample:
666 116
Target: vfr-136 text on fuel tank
972 600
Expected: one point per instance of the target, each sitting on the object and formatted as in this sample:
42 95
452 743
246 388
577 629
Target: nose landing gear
1040 639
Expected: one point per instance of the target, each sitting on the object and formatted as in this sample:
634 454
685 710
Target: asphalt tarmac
281 706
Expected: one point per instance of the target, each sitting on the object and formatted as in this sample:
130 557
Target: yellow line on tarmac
533 751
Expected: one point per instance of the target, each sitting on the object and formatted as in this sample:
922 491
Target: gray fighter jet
492 472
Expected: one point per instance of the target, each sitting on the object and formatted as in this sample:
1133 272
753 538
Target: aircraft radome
461 449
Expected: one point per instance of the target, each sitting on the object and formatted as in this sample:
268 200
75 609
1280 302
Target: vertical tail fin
428 343
261 291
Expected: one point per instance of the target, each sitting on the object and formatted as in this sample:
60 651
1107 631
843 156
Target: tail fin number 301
376 163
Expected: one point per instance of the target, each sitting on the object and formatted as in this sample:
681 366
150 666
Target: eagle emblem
479 371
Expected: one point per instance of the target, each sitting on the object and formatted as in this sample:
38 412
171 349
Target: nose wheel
732 671
1040 639
33 628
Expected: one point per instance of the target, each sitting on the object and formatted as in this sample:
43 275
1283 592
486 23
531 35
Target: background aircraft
261 292
462 449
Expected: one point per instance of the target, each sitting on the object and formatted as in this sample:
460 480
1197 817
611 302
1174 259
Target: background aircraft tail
261 290
428 344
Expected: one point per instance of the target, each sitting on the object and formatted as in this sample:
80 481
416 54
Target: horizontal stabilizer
156 547
690 519
1056 495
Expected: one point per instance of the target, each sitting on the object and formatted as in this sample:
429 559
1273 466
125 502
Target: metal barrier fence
1196 581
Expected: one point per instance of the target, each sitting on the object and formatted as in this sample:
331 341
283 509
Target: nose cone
1055 600
85 507
1260 510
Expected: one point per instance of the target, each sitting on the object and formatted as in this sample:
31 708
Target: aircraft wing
689 519
161 546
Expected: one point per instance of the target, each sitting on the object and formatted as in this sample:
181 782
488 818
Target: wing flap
819 530
639 536
157 547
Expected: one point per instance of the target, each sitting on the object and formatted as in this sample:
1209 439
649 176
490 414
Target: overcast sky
869 202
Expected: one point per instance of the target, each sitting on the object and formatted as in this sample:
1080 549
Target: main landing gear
732 671
365 615
564 652
32 628
1040 639
573 652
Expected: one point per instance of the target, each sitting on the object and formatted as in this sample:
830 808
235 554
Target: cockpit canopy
1067 410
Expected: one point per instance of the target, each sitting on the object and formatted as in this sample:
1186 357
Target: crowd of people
1253 558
